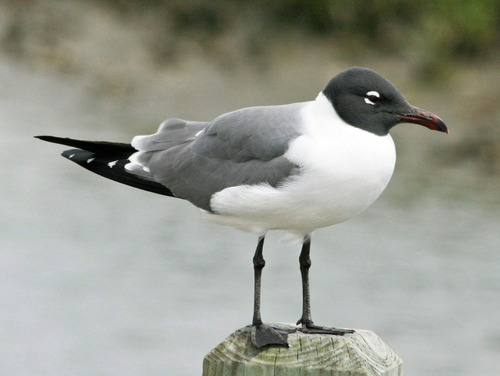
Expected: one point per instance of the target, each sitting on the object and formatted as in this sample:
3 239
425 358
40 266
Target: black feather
117 149
107 159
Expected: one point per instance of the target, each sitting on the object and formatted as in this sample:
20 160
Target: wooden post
359 354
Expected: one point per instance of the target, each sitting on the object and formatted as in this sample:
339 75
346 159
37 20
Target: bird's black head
367 100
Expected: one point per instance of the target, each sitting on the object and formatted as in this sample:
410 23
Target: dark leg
262 334
305 264
258 265
306 319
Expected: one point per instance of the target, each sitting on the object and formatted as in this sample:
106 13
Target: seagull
295 167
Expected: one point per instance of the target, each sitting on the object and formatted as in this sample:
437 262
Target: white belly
327 191
343 171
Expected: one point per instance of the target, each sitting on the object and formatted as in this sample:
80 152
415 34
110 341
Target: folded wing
195 160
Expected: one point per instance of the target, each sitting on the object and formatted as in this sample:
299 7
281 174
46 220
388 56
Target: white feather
344 170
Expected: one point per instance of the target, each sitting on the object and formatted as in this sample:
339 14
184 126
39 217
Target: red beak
427 119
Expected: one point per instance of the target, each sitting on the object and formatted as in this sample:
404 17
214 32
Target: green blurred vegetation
433 32
433 35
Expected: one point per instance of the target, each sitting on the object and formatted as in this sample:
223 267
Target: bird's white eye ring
372 97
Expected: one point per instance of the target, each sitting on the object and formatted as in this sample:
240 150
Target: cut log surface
362 353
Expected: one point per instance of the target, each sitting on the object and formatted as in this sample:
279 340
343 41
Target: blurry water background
97 278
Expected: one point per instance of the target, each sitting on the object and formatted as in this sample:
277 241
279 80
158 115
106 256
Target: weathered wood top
359 354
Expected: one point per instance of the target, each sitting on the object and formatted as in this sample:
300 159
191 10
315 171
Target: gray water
100 279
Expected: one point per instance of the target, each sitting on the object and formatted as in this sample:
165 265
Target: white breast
344 170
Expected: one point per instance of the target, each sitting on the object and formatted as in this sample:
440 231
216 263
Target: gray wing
195 160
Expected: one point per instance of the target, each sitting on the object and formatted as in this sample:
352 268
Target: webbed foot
265 335
310 328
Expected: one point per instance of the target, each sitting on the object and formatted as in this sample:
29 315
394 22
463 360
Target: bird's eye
372 97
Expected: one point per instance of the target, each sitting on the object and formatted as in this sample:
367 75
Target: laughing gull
295 167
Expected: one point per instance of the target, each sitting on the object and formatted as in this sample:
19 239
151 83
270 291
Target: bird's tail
107 159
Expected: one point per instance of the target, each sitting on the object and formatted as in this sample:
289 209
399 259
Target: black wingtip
53 139
107 159
116 149
44 138
114 169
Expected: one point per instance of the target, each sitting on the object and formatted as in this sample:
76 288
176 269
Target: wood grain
362 353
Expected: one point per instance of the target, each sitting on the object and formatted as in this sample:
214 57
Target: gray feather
195 160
